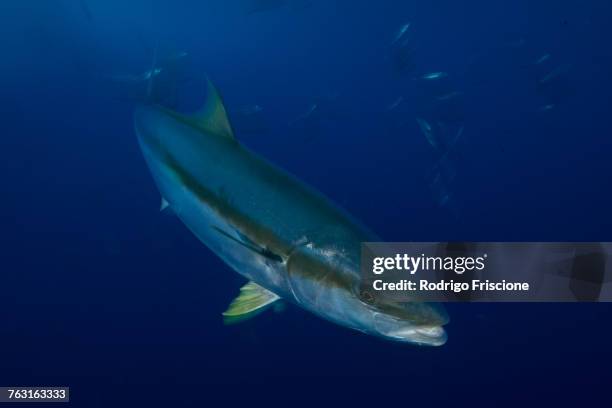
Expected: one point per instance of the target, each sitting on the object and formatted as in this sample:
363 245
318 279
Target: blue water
101 292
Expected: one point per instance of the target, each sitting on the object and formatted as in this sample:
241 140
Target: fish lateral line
263 251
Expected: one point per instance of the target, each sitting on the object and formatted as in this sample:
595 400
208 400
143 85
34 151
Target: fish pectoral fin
252 300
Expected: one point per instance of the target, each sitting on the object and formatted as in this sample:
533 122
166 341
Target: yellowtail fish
286 239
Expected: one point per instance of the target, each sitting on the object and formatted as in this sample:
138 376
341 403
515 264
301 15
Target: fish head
408 322
330 284
405 321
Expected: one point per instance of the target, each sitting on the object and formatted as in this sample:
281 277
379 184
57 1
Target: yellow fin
212 117
252 300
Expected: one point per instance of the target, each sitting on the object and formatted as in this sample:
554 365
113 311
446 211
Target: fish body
150 74
395 103
434 75
288 240
428 132
542 59
553 75
400 33
546 108
448 96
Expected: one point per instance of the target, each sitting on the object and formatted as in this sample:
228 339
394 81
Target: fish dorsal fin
212 117
252 300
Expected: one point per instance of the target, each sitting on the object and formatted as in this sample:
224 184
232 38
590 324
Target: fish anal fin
252 300
163 205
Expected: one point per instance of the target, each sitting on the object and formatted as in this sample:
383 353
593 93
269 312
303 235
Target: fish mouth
425 329
421 335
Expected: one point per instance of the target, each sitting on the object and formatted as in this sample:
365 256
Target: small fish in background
458 135
321 112
428 132
395 103
554 85
152 73
146 76
440 135
443 138
546 108
444 170
402 51
303 117
441 189
552 75
542 59
444 198
310 124
442 180
433 76
439 99
159 83
401 32
447 136
448 96
397 116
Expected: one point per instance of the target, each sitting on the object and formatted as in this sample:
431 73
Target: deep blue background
100 292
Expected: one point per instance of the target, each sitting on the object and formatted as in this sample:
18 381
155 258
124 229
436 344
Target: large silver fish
289 241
